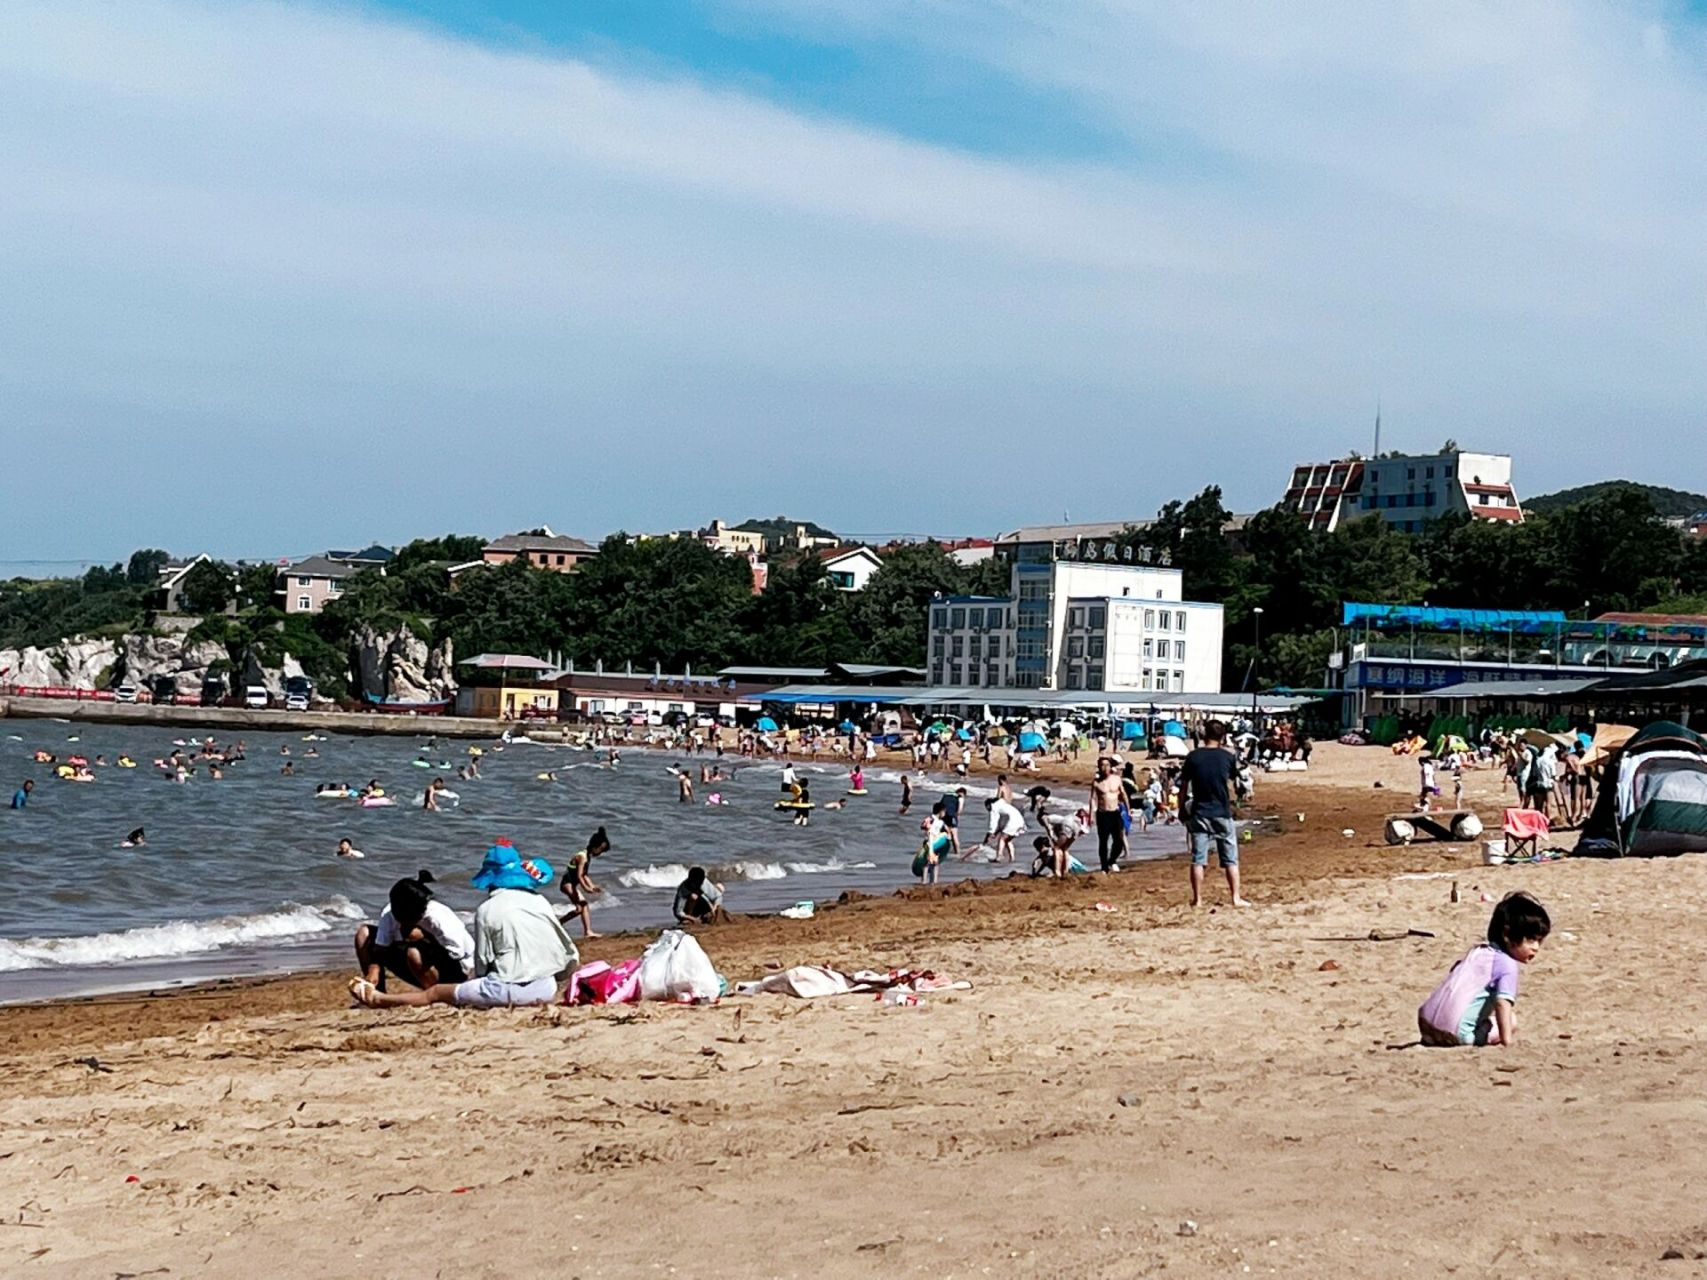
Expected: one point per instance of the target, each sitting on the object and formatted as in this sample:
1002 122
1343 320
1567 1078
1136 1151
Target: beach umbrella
998 734
766 725
938 727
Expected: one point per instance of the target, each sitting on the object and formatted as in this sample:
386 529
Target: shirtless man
1106 794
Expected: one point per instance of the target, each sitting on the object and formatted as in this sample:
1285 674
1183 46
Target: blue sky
282 276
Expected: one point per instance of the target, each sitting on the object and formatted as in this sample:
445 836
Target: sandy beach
1124 1092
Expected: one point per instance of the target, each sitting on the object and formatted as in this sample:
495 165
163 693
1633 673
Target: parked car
257 697
298 693
165 691
125 692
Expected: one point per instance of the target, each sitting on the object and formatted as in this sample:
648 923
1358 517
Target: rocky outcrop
401 666
395 665
71 664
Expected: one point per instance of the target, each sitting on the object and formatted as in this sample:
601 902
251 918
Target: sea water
240 875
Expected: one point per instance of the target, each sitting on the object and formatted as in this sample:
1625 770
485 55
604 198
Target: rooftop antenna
1377 452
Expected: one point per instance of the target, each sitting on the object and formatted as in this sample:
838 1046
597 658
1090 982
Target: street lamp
1256 658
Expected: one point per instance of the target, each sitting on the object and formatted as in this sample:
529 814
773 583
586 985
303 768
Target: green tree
889 615
144 567
800 619
452 548
257 585
207 587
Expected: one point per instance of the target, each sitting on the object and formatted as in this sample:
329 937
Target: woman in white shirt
417 938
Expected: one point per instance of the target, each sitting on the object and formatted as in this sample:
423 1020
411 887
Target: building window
992 674
1144 680
1149 617
954 673
1166 618
1075 646
957 618
1098 616
1075 618
1075 677
940 674
1179 682
1179 620
975 650
304 582
939 619
1179 650
1428 473
1096 647
957 646
559 559
304 604
939 643
1149 647
1093 677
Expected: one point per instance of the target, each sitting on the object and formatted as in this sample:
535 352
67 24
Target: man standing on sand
1105 810
1206 804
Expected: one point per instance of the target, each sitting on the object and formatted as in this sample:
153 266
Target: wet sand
1112 1076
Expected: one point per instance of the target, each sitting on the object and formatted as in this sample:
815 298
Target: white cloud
440 284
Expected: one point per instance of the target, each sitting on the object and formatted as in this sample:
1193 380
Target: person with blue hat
520 946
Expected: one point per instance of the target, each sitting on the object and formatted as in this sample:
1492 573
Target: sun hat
504 868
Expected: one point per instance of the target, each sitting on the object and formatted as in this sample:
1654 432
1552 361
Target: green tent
1653 796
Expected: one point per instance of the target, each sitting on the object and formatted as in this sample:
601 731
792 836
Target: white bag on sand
676 968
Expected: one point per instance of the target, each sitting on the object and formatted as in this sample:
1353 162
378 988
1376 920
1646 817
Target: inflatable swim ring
125 762
334 793
422 764
858 791
378 802
795 804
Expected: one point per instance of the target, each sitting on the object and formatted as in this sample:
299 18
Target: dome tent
1653 798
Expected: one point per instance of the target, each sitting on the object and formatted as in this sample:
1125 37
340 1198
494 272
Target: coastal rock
401 666
145 658
72 664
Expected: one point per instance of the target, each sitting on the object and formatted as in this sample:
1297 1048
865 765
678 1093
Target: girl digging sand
1473 1004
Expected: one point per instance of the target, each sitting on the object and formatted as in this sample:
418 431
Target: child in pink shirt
1473 1004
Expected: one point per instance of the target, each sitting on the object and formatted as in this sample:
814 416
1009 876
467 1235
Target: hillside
779 526
1667 502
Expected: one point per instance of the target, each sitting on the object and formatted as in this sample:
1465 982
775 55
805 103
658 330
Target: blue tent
1031 742
965 735
1173 729
1132 731
766 725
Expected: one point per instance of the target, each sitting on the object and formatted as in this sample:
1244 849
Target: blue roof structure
1413 615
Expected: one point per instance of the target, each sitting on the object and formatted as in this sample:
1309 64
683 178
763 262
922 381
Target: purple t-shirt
1464 998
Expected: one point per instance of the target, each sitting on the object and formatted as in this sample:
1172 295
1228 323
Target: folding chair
1523 831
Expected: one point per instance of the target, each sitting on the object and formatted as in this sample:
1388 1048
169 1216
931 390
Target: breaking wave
179 938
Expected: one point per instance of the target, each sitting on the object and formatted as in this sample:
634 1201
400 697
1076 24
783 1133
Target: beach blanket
813 981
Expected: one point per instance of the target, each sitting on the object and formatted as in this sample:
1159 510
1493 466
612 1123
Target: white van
255 696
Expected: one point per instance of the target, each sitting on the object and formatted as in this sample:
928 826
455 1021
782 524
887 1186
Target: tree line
678 603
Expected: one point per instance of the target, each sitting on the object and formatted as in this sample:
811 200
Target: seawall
245 719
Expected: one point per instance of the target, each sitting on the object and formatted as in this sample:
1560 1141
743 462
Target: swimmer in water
348 850
684 785
289 770
134 840
803 796
430 797
906 795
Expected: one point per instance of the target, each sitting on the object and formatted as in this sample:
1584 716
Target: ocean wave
819 868
667 876
672 874
179 938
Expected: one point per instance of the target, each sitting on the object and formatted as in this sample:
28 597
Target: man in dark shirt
1206 803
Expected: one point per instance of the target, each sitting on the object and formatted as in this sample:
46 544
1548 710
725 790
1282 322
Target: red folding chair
1523 831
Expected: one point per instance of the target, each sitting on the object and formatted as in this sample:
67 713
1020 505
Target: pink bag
599 983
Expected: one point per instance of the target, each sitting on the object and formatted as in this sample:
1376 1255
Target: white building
1407 491
1072 624
849 568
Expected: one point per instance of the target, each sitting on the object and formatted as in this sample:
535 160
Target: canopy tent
1054 702
1608 740
1653 799
765 725
1447 743
1439 619
1686 677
